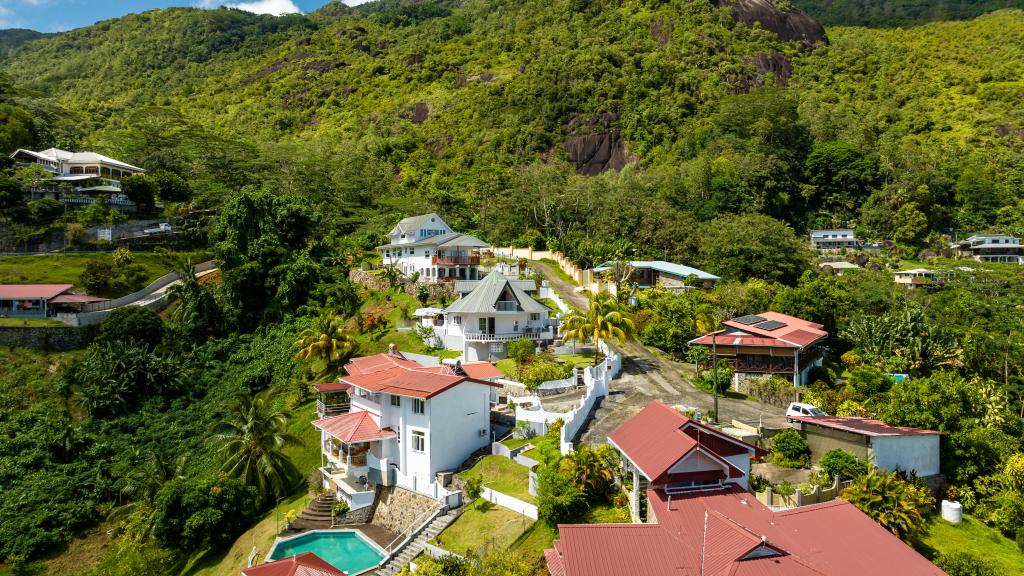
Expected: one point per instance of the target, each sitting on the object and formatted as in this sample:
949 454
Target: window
457 320
497 348
396 400
419 441
535 316
418 406
482 324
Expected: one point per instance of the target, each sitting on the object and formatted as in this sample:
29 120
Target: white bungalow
427 246
406 423
496 312
834 239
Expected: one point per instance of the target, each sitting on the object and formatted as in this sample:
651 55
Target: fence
799 498
157 284
514 504
548 292
430 489
586 278
596 380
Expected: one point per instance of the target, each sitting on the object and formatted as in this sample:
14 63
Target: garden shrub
839 463
789 449
542 371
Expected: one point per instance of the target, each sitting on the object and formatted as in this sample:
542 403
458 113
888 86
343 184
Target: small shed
886 447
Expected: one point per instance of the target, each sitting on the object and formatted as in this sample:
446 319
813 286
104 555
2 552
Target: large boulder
789 25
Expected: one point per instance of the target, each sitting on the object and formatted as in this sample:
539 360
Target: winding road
648 375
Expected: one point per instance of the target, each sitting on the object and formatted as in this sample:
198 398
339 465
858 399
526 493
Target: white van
800 409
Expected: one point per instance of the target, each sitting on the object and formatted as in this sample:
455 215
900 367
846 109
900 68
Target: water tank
952 512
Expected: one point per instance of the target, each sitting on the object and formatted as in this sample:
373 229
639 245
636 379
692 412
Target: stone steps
412 549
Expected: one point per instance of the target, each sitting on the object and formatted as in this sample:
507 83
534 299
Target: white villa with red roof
713 527
767 344
406 423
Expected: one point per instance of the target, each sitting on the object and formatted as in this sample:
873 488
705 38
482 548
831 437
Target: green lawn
307 456
67 269
33 322
389 304
531 544
975 537
550 305
582 360
482 526
539 442
513 443
507 367
503 475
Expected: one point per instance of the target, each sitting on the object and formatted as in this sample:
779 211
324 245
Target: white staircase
404 553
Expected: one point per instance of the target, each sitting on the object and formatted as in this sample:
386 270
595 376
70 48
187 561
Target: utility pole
714 366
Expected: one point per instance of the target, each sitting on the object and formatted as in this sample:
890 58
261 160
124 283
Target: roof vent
392 349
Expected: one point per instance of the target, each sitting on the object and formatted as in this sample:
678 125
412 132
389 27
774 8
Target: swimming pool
346 550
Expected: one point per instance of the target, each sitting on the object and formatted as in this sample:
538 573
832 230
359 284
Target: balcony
507 306
360 403
455 260
324 409
508 336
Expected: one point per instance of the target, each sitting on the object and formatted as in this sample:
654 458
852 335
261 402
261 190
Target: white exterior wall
919 453
741 461
453 335
457 415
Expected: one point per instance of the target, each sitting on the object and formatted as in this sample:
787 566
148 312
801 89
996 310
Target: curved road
649 376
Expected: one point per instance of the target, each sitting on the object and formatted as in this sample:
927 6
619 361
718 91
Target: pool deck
381 536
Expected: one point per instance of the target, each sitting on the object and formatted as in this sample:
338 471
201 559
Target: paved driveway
648 376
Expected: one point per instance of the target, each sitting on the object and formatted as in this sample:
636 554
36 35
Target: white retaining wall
513 504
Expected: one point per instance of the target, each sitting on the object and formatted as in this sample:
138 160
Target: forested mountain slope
501 113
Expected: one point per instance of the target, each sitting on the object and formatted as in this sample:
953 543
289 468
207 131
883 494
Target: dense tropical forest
663 129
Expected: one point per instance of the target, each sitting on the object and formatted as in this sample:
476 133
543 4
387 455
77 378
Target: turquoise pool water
345 551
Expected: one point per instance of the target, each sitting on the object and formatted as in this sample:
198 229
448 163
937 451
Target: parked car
801 409
161 228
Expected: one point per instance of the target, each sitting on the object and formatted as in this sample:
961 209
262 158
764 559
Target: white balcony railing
365 404
508 336
506 306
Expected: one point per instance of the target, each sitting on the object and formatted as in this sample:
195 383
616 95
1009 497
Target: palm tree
140 487
327 344
891 501
196 313
588 470
604 320
253 439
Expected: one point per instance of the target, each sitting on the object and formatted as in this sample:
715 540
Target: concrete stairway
316 516
412 549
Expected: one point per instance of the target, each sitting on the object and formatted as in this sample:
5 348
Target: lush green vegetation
69 269
483 526
985 544
502 475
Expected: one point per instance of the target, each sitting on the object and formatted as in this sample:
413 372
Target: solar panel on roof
748 320
770 325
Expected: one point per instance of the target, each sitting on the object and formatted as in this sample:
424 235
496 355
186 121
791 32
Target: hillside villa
767 344
650 273
482 323
705 523
881 445
663 449
834 239
79 176
40 300
919 278
991 248
427 246
406 422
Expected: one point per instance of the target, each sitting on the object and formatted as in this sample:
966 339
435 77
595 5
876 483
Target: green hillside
480 110
892 13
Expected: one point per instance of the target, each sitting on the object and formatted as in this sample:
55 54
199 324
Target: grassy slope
503 475
975 537
481 526
67 269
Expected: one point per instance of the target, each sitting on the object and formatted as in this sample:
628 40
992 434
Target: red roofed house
304 564
406 423
714 527
39 300
767 344
884 446
665 450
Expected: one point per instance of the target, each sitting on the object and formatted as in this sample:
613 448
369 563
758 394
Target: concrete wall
917 453
47 338
821 440
512 503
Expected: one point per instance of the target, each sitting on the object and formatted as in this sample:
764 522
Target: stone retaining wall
398 508
435 289
47 338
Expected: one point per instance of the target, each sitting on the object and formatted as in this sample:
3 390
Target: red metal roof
71 298
394 374
658 437
796 333
332 387
863 426
481 370
304 564
32 291
353 427
710 533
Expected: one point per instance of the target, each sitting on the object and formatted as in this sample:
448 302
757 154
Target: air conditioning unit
482 432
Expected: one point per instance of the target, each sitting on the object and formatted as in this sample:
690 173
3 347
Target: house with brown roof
406 422
703 522
663 449
767 344
883 446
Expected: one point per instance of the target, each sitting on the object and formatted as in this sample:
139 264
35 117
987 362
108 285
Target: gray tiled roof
482 299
